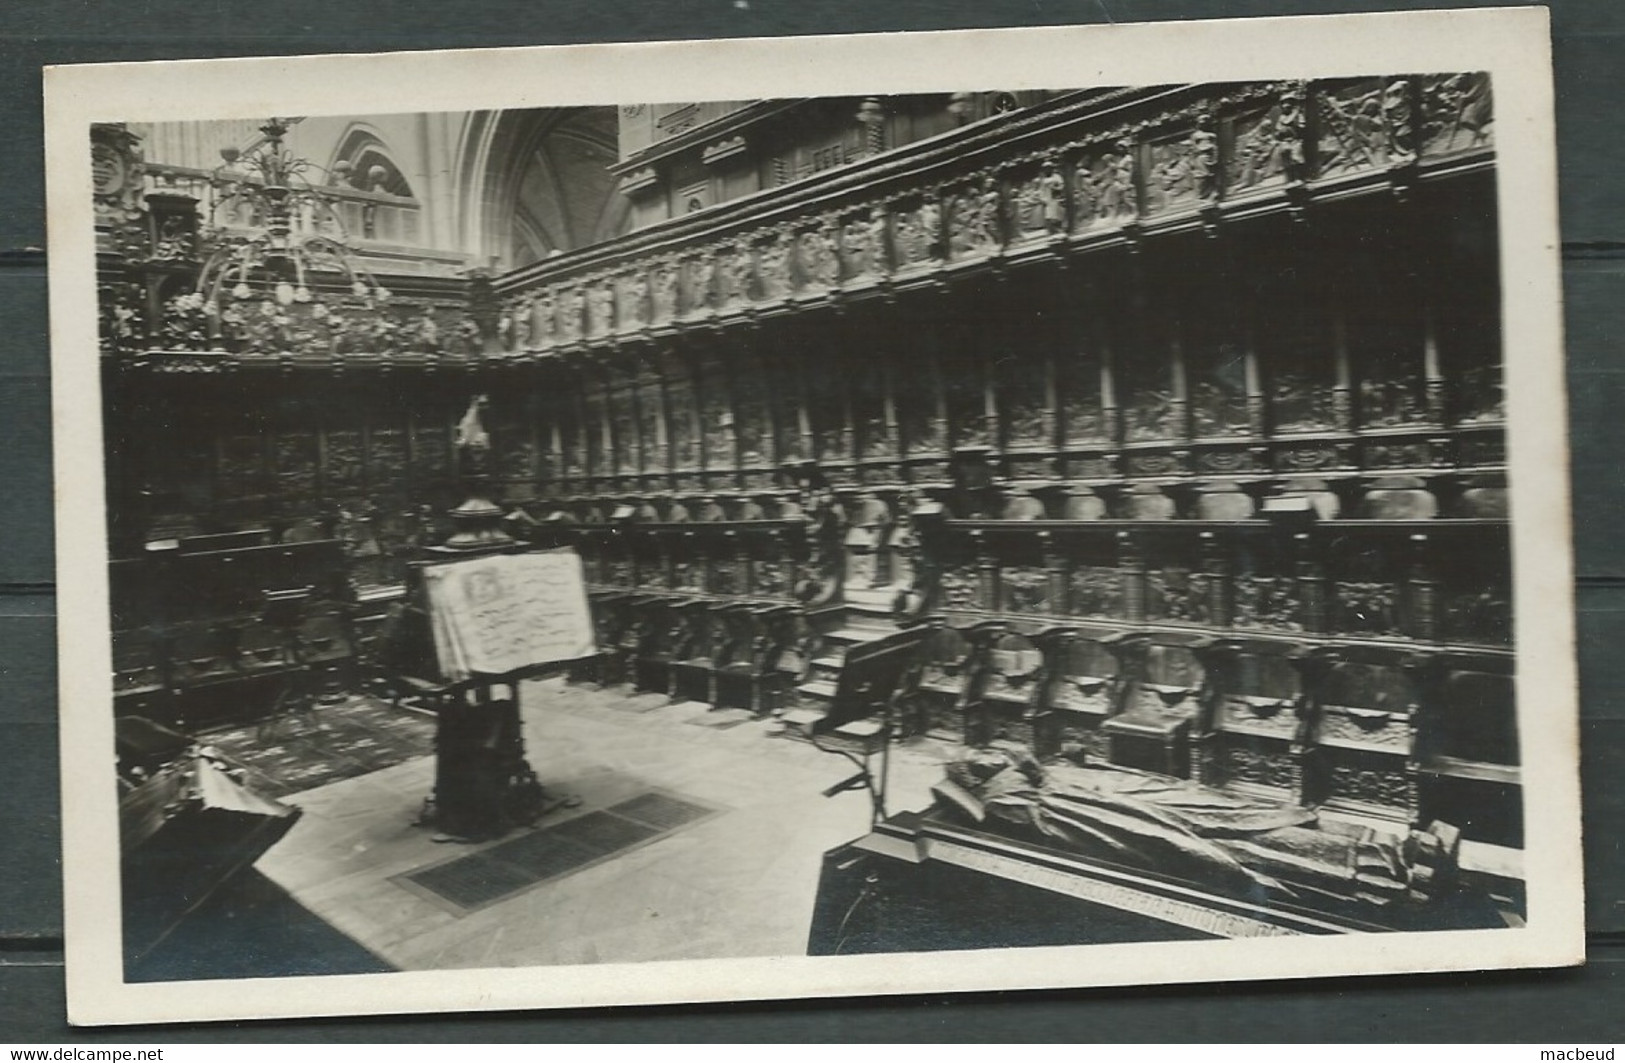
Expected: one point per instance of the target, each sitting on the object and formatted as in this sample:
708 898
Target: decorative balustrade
1085 169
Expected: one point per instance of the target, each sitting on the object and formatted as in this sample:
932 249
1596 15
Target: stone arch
362 148
539 183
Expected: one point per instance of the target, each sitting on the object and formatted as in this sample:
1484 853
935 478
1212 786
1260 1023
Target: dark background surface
1570 1006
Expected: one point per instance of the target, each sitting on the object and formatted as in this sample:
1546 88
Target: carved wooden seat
1007 704
325 645
951 663
1250 733
140 681
735 666
1080 693
609 619
203 652
1467 748
694 657
1361 742
1159 700
658 630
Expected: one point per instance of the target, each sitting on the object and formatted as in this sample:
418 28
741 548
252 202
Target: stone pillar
1056 569
1216 564
1131 565
1311 571
1422 621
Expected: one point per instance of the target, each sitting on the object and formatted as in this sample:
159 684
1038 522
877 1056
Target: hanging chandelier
277 260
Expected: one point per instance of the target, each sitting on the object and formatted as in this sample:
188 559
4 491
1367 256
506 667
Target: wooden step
800 722
857 634
818 688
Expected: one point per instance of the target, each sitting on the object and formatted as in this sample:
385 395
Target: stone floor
739 883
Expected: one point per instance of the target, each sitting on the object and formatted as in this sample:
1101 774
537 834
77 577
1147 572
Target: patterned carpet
303 751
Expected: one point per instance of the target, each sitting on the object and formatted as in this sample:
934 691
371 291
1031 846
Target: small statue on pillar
478 519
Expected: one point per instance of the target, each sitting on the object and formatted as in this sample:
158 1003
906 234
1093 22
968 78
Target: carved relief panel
1458 113
388 465
241 471
1078 384
917 232
818 252
623 419
595 429
1363 124
773 266
343 461
1216 368
1024 399
1025 589
1147 395
1366 588
295 455
1266 144
976 220
1175 167
1105 190
871 409
664 281
681 415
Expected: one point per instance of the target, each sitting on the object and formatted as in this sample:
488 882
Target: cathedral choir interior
1001 519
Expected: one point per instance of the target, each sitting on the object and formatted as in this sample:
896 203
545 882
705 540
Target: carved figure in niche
855 247
122 323
775 267
1396 400
989 215
1453 105
1397 120
174 239
702 282
879 255
601 307
1289 133
1027 206
635 307
819 254
736 275
521 315
1204 158
1112 190
665 292
910 239
1052 198
543 319
931 227
1268 602
505 330
1149 414
1352 131
1300 403
962 226
384 335
571 305
1170 177
469 340
184 324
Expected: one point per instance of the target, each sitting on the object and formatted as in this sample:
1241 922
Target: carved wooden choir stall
1171 415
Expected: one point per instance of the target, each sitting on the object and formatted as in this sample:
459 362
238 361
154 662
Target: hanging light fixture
276 246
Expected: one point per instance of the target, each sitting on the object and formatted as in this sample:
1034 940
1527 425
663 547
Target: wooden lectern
472 629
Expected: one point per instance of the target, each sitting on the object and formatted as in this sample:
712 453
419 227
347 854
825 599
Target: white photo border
1513 45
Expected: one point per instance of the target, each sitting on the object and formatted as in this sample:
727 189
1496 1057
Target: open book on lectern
499 614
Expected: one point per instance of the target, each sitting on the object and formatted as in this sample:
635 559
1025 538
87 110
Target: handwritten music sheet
496 615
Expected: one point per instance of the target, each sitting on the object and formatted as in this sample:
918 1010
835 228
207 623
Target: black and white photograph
749 519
